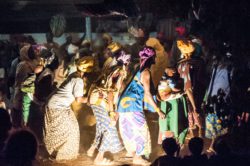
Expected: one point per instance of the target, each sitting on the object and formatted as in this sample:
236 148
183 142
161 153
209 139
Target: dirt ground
87 130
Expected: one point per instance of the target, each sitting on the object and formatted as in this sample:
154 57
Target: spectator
21 149
195 146
170 147
5 126
223 154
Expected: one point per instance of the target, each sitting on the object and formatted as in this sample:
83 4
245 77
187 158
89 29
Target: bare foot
91 151
130 154
138 160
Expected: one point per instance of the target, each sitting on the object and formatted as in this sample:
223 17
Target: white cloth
221 81
67 92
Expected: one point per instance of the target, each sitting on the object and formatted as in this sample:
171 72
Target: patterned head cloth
124 58
114 46
146 54
185 47
38 47
85 64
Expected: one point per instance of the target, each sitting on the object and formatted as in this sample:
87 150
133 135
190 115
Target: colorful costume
218 116
61 129
175 108
106 138
132 122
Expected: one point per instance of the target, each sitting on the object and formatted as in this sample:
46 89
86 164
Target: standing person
216 100
103 100
137 97
61 129
174 105
27 65
184 68
28 89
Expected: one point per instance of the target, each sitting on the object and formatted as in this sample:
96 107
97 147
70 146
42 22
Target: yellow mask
185 48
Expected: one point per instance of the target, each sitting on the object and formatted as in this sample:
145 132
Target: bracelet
157 110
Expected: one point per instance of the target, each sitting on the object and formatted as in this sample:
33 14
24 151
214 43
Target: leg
26 109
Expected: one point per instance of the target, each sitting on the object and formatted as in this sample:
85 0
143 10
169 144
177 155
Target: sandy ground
87 129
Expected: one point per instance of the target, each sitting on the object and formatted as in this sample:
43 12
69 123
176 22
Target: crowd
185 87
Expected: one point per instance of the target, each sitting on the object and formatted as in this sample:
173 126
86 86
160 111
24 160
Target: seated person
170 147
195 146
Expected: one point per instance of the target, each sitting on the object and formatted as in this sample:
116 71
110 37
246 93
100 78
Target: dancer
217 106
137 97
174 105
184 68
103 100
61 130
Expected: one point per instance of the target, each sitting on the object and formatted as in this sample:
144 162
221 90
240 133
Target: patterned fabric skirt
106 138
214 126
176 121
135 133
61 133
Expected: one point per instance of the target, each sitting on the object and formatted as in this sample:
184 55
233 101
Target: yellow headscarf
114 46
185 47
85 64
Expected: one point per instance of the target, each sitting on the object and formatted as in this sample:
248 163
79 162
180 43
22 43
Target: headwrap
107 37
146 54
85 64
38 47
124 58
185 47
114 46
24 53
180 30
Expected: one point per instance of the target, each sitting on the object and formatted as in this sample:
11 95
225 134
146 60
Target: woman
186 71
216 100
174 105
103 100
137 97
61 130
21 102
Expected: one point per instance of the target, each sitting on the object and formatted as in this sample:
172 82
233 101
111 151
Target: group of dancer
118 97
113 103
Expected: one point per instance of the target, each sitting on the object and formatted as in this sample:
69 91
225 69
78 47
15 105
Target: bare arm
81 99
145 79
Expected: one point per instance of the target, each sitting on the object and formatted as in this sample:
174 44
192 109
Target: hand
113 116
161 115
84 99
